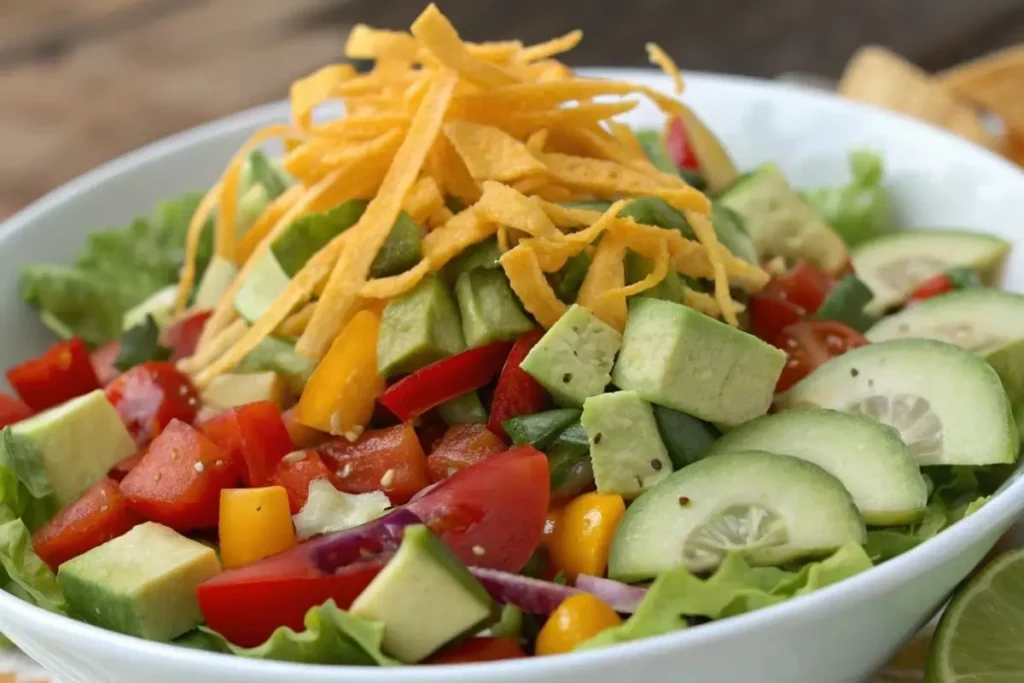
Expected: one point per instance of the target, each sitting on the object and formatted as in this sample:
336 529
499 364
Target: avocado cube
489 308
682 359
238 389
402 249
142 583
626 450
425 598
78 441
418 328
573 360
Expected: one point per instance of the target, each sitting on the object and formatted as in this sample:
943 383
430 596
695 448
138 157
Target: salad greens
141 344
860 210
25 490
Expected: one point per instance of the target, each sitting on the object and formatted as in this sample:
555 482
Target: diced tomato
119 471
12 410
302 436
933 286
430 428
477 650
462 446
254 436
247 605
771 314
804 285
517 393
389 460
182 337
295 474
179 480
677 142
98 516
103 360
810 343
149 396
62 373
491 514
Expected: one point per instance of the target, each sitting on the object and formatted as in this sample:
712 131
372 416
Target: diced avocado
418 328
142 583
539 429
79 441
638 267
626 451
160 307
238 389
846 303
464 409
425 598
250 206
484 255
894 264
258 169
570 277
773 508
682 359
215 283
686 438
869 459
573 360
277 355
489 308
732 233
715 163
261 288
781 224
402 250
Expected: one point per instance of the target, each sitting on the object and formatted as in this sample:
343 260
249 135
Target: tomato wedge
492 649
296 472
804 285
810 343
60 374
462 446
149 396
677 142
183 336
491 514
255 438
12 410
389 460
103 360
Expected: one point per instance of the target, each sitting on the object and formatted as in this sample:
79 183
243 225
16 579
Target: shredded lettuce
332 636
118 270
25 490
24 574
327 509
735 588
861 209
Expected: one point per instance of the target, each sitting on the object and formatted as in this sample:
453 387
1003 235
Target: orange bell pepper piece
583 532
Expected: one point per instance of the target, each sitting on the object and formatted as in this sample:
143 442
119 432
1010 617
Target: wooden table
82 81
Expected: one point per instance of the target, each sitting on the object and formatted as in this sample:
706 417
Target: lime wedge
979 637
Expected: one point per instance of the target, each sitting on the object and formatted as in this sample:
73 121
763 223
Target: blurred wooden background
82 81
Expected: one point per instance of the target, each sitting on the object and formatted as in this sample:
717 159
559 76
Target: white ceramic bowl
838 635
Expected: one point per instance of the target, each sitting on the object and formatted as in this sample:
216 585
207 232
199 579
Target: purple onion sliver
378 537
533 596
621 597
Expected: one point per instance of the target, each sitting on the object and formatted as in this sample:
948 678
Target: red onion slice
621 597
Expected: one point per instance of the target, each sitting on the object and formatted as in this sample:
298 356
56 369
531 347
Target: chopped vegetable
811 343
141 344
296 473
254 437
12 410
389 460
576 621
584 534
328 510
254 523
462 446
149 396
476 650
62 373
943 283
860 210
517 393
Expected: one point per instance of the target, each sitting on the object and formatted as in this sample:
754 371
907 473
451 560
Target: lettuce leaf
332 636
861 209
25 490
117 270
734 588
327 509
24 574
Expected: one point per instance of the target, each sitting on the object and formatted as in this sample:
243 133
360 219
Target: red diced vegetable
771 314
491 514
295 472
302 436
389 460
254 436
444 380
149 396
182 337
476 650
12 410
677 142
462 446
119 471
103 362
179 480
804 285
62 373
517 393
943 283
98 516
810 343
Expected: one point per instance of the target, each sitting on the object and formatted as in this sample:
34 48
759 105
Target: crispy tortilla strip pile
506 130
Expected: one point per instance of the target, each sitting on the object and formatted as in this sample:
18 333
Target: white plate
838 635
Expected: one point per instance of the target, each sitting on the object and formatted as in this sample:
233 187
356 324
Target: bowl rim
1004 505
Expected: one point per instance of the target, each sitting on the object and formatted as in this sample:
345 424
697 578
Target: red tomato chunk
389 460
255 438
149 396
62 373
462 446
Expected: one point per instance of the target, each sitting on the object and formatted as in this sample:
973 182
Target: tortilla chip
660 58
310 92
995 82
505 206
490 153
423 200
365 42
550 48
605 279
530 285
435 33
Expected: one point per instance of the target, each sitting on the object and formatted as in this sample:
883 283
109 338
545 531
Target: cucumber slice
894 264
774 508
947 403
869 459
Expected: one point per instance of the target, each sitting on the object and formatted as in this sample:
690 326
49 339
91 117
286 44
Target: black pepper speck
567 377
597 438
684 501
656 464
854 372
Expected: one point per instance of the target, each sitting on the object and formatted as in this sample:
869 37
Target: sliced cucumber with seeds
893 265
774 508
869 458
947 403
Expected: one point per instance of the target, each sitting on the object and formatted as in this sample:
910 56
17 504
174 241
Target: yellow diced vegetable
576 620
583 533
254 523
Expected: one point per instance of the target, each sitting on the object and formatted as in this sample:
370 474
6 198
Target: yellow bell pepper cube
254 523
577 619
340 395
583 533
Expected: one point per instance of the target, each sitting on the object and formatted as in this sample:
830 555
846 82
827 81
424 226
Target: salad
478 350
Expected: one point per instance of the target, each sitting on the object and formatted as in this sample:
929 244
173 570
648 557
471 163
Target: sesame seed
388 479
259 508
183 390
104 507
219 464
345 471
156 477
335 423
478 550
192 401
199 467
294 457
